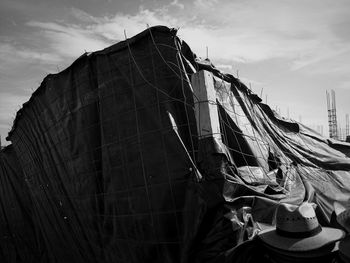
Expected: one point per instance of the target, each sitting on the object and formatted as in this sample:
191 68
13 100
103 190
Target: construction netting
110 157
20 241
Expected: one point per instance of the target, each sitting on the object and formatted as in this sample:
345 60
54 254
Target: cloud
223 66
9 104
176 3
320 54
205 3
304 34
248 81
10 54
95 33
112 28
22 68
69 40
82 16
252 31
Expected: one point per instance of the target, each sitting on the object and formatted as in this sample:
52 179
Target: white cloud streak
224 66
11 55
245 31
69 40
176 3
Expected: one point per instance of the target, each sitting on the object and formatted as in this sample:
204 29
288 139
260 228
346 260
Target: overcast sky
292 51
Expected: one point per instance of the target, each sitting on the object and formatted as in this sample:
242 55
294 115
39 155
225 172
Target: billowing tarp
19 242
113 178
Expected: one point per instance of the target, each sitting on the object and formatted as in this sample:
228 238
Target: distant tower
332 115
347 125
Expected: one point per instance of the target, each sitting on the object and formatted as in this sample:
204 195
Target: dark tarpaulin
106 170
19 240
110 179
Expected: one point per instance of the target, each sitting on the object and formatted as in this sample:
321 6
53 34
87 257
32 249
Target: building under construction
335 130
143 152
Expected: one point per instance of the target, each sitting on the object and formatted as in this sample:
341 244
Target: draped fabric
109 155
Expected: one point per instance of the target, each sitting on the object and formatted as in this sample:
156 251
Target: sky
289 52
